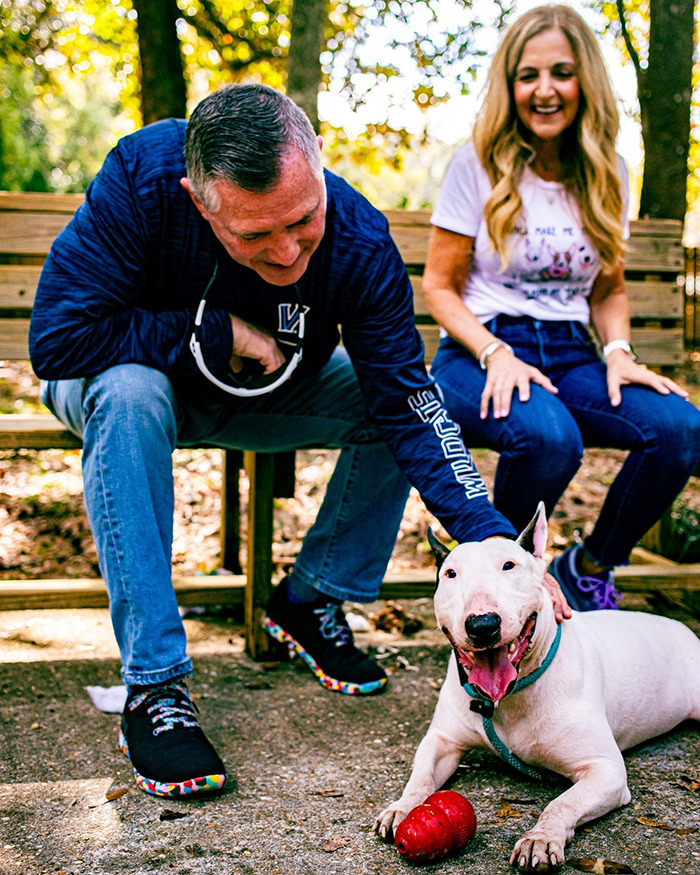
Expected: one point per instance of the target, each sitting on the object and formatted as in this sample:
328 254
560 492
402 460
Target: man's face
276 233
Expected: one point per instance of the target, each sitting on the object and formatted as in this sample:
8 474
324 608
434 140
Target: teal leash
485 706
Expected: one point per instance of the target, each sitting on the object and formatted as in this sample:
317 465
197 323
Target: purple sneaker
584 593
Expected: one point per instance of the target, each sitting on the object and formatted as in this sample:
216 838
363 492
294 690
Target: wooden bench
28 225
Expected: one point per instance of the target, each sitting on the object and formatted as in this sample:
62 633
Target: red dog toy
444 824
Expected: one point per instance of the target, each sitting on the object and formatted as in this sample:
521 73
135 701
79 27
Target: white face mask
254 385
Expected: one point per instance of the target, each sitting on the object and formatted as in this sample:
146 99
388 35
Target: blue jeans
131 419
541 441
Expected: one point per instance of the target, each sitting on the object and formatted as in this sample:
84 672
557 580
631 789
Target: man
196 299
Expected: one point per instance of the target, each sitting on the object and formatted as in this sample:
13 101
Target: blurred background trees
390 85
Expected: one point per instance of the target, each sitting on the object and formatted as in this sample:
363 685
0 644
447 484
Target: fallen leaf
599 866
110 797
659 825
688 782
393 618
328 793
258 684
334 843
506 811
169 814
645 821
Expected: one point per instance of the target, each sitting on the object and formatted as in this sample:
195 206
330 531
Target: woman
526 250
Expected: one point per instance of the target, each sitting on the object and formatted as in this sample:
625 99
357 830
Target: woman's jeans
131 419
541 440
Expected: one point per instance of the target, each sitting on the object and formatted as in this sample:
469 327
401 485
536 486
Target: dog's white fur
619 678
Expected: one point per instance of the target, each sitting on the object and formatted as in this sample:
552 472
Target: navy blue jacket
123 281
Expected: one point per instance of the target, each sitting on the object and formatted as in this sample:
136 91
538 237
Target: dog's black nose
483 629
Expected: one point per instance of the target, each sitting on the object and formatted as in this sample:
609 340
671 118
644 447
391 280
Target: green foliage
233 40
393 169
22 133
681 535
69 89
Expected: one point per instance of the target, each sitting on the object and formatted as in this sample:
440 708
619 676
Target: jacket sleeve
90 311
388 356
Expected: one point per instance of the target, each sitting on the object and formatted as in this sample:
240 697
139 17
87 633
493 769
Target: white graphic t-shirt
552 264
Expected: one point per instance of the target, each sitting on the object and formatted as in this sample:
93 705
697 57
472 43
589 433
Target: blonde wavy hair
590 164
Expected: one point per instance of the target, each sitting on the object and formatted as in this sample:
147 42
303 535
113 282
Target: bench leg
231 512
260 470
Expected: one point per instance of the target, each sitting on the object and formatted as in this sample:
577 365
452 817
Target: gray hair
241 134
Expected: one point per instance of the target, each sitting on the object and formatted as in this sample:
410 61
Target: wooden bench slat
659 346
18 284
646 253
35 431
655 300
14 339
231 589
48 202
30 233
92 593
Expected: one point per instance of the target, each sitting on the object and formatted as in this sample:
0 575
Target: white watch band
618 344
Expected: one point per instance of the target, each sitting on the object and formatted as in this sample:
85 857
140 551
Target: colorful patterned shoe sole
278 633
195 786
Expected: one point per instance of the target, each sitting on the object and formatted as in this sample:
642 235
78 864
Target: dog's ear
534 537
440 551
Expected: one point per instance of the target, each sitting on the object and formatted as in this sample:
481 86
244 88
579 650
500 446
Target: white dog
565 698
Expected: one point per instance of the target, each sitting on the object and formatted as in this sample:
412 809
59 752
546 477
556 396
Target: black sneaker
170 754
319 633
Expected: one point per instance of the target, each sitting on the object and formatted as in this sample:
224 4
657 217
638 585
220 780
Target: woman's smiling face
546 87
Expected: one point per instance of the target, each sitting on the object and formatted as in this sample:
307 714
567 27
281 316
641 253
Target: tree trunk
664 98
303 61
163 88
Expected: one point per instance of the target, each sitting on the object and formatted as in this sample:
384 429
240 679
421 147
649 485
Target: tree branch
209 26
631 51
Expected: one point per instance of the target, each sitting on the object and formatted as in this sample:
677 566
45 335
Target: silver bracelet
490 350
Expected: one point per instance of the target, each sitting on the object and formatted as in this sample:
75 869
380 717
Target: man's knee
132 391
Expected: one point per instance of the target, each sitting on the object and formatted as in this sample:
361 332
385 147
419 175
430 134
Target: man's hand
562 611
252 342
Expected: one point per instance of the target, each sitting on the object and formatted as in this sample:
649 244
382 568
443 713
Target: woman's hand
505 373
562 611
623 370
252 342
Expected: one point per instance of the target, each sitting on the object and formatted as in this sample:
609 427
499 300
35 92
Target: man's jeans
131 420
541 441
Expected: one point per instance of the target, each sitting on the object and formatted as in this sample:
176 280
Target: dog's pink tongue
493 673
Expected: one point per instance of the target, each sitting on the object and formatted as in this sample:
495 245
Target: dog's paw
535 852
389 819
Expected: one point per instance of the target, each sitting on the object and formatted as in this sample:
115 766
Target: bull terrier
563 698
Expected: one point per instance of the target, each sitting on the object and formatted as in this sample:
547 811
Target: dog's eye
451 573
508 565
